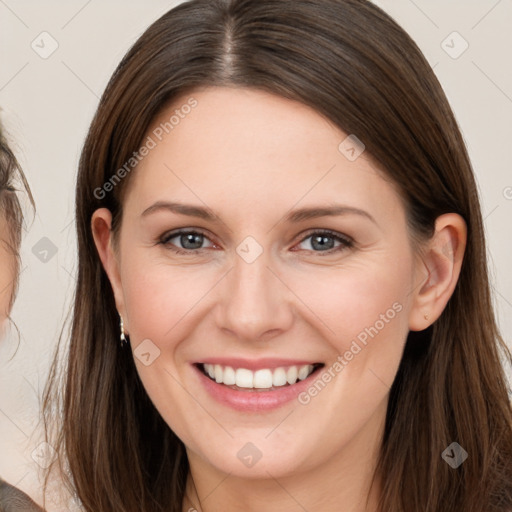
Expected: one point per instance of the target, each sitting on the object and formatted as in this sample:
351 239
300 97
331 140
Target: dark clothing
14 500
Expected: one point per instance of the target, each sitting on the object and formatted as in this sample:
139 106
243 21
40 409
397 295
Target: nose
255 304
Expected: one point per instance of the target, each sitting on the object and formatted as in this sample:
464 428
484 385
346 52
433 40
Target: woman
11 221
282 299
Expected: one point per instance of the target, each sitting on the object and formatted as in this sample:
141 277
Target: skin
7 274
251 157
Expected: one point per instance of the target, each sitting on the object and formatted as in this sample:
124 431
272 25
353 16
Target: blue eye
325 241
189 241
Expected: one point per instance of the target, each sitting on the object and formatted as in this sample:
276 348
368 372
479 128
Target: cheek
7 278
160 298
362 311
353 299
162 302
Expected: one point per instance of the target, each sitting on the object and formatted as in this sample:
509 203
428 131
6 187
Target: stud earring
425 316
124 341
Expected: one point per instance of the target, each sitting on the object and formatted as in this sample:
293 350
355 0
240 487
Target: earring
425 316
124 341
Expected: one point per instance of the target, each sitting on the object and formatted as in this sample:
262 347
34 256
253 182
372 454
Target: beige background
48 104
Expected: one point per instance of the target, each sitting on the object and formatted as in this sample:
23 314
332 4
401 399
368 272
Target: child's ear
441 261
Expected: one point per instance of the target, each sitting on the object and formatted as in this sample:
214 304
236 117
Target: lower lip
254 401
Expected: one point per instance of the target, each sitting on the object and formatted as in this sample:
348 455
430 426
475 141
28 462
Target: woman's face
296 258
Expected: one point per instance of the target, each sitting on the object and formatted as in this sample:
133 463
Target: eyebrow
294 216
326 211
180 208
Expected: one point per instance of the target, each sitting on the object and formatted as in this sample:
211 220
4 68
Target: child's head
11 221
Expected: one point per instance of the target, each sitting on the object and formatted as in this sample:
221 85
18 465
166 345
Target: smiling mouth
265 379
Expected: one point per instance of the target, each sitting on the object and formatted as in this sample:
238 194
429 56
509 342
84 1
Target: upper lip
256 364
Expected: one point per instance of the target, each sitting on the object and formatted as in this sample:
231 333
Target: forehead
246 125
251 145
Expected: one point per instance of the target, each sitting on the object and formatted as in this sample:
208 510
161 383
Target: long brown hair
352 63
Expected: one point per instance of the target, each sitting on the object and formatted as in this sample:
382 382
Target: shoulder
12 499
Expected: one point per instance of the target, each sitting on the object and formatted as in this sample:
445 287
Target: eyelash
346 242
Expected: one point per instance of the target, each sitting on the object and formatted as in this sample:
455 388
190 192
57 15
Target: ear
441 261
101 225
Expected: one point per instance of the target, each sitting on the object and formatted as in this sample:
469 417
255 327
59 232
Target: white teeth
244 378
279 377
229 376
304 371
218 373
291 375
260 379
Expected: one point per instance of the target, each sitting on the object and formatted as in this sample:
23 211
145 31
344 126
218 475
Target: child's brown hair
11 177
